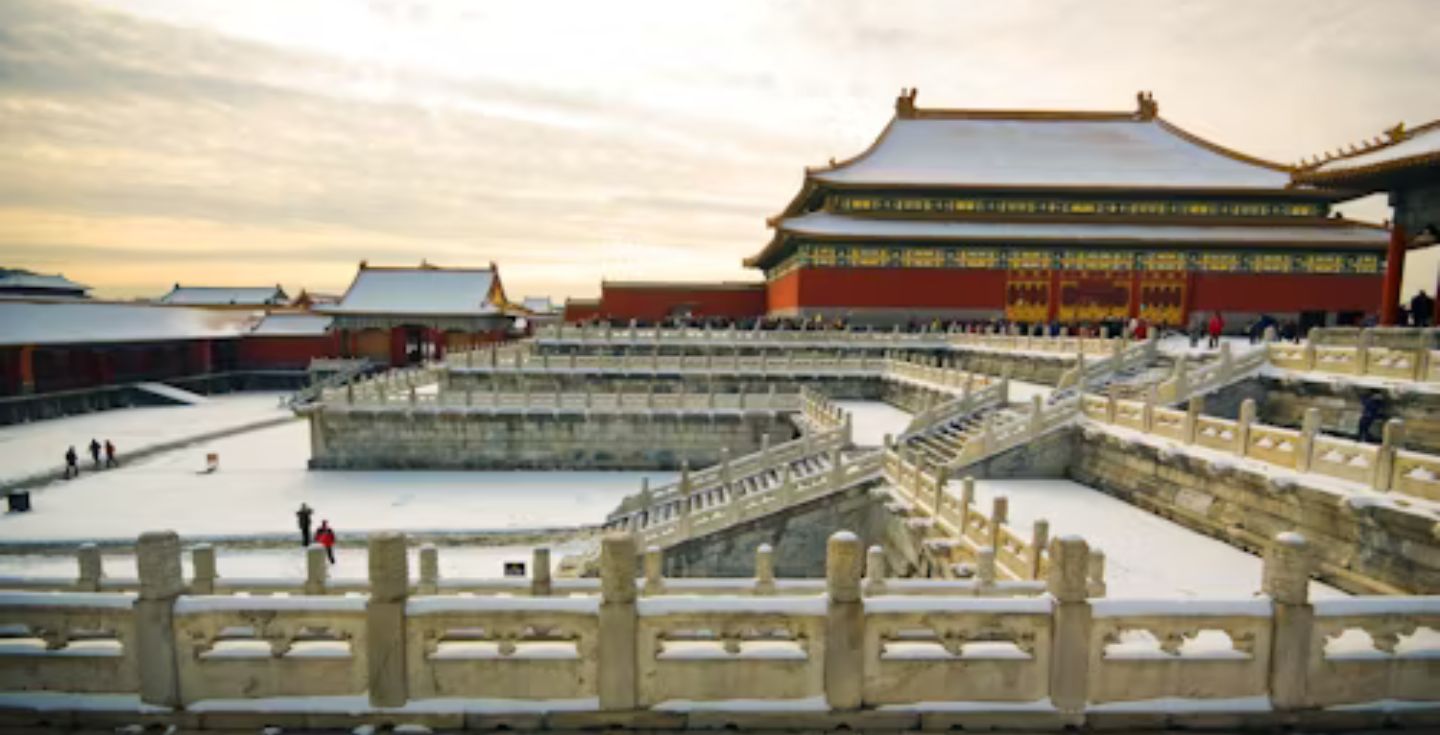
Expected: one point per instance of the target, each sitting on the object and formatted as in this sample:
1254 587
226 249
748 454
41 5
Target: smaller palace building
1038 216
404 315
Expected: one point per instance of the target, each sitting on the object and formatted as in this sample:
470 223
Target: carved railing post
1390 438
618 666
1070 642
967 499
91 568
1286 579
1039 538
985 572
654 571
161 582
874 571
845 623
1362 352
1305 449
202 561
429 583
385 620
999 514
1242 427
317 570
540 585
764 570
1193 410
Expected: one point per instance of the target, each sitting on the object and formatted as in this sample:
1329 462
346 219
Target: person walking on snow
325 536
1369 411
110 455
1217 327
303 516
95 452
72 463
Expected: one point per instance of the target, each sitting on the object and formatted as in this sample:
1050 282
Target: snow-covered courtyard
873 420
38 447
1145 555
263 479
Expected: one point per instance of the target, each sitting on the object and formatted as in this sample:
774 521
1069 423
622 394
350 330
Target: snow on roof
224 295
538 304
827 224
292 325
1038 150
1422 143
75 322
25 279
424 290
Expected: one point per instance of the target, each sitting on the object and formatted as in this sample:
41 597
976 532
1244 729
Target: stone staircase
941 444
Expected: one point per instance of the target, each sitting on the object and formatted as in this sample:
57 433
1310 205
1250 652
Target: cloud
573 140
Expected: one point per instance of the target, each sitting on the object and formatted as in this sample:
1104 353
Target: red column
27 368
1134 309
1052 301
200 357
397 347
1394 273
438 337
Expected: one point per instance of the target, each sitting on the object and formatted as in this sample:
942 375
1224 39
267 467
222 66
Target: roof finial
1397 133
1146 108
905 103
364 264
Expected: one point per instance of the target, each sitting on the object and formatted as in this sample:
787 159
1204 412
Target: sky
149 142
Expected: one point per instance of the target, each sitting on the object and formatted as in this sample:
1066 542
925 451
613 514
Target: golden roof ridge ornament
1398 133
905 103
1146 108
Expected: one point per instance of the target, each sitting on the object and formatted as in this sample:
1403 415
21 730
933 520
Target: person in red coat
1217 326
325 536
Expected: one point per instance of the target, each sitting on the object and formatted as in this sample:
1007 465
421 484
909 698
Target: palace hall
1041 216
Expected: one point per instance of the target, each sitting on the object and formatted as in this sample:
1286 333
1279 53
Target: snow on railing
691 512
1360 357
437 397
792 363
82 642
625 645
1382 467
959 531
1186 381
1011 341
1121 356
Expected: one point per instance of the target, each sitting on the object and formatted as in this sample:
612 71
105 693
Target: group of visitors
324 535
72 459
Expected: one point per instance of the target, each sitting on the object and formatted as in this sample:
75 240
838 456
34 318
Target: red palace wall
285 352
889 288
1284 292
656 303
581 312
899 288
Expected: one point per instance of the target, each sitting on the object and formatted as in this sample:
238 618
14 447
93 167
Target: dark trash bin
18 502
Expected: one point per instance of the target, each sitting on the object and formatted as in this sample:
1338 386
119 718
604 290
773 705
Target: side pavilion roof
424 290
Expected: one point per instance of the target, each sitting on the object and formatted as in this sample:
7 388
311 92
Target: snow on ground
1175 345
1145 555
37 447
874 419
263 479
1022 392
350 563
